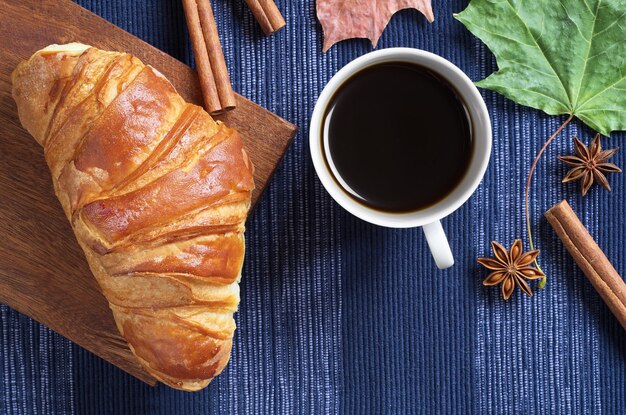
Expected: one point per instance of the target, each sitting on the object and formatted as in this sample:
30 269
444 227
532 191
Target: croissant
157 194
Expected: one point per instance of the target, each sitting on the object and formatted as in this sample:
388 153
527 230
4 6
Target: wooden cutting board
43 273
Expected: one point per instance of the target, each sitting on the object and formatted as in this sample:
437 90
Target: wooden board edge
136 371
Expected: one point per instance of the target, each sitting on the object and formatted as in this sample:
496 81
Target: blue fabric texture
339 316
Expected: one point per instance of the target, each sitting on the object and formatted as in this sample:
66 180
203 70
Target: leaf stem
543 281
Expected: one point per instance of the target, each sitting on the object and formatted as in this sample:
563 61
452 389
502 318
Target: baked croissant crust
157 193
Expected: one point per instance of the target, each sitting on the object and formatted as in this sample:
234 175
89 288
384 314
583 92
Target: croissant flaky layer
157 193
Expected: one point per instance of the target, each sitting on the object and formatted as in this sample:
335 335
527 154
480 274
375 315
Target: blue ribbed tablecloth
339 316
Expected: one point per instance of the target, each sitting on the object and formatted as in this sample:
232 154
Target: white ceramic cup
429 218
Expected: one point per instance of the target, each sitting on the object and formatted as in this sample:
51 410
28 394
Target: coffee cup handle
438 244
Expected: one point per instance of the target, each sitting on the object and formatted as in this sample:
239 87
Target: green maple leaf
559 56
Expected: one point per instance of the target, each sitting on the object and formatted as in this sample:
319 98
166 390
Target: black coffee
399 137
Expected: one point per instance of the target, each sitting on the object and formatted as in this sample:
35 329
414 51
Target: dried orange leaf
346 19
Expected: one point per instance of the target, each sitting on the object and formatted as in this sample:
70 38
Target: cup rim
480 123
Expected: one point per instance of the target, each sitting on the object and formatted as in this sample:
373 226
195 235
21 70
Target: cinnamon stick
214 81
589 258
267 14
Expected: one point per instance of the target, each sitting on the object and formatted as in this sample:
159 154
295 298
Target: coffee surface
398 136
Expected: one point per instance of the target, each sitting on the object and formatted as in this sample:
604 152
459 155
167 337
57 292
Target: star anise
590 164
511 268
